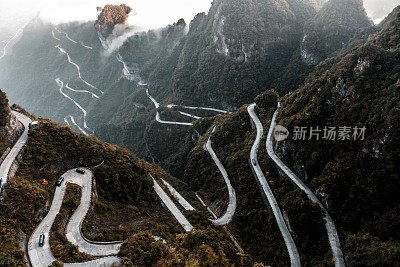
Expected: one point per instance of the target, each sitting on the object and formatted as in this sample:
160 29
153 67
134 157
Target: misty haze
200 133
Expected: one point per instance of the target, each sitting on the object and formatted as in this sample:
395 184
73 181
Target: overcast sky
147 13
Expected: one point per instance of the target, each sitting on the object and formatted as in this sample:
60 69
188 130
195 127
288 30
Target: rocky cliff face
225 59
250 30
357 180
13 128
10 127
250 38
110 16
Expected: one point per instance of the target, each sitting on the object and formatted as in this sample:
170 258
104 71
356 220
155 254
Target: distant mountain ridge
204 79
225 60
332 27
356 179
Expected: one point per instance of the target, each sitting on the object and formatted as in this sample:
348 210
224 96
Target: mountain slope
332 27
124 205
225 59
357 176
358 180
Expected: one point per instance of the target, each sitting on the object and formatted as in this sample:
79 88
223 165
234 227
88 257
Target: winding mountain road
16 149
17 33
158 119
186 205
290 244
42 256
66 35
73 123
78 69
172 207
61 84
189 115
81 91
329 224
85 128
127 71
69 38
54 36
157 105
230 211
74 234
202 108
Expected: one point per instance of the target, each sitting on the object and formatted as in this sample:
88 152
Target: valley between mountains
158 148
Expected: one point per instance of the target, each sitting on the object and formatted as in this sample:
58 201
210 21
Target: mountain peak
332 27
110 16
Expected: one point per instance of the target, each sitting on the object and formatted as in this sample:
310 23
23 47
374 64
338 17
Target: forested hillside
167 95
332 28
124 206
358 179
222 60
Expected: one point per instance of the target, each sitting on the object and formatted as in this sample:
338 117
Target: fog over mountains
146 16
378 10
232 133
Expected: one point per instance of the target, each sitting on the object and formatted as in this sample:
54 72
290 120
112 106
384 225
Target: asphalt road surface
329 224
172 207
6 165
186 205
230 211
290 244
42 256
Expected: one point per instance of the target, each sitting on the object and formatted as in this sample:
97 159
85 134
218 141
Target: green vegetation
253 223
142 250
121 177
198 248
10 252
4 116
51 150
20 210
179 68
357 85
124 202
333 26
111 221
359 179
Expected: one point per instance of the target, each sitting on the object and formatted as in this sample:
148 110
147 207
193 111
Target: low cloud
146 14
